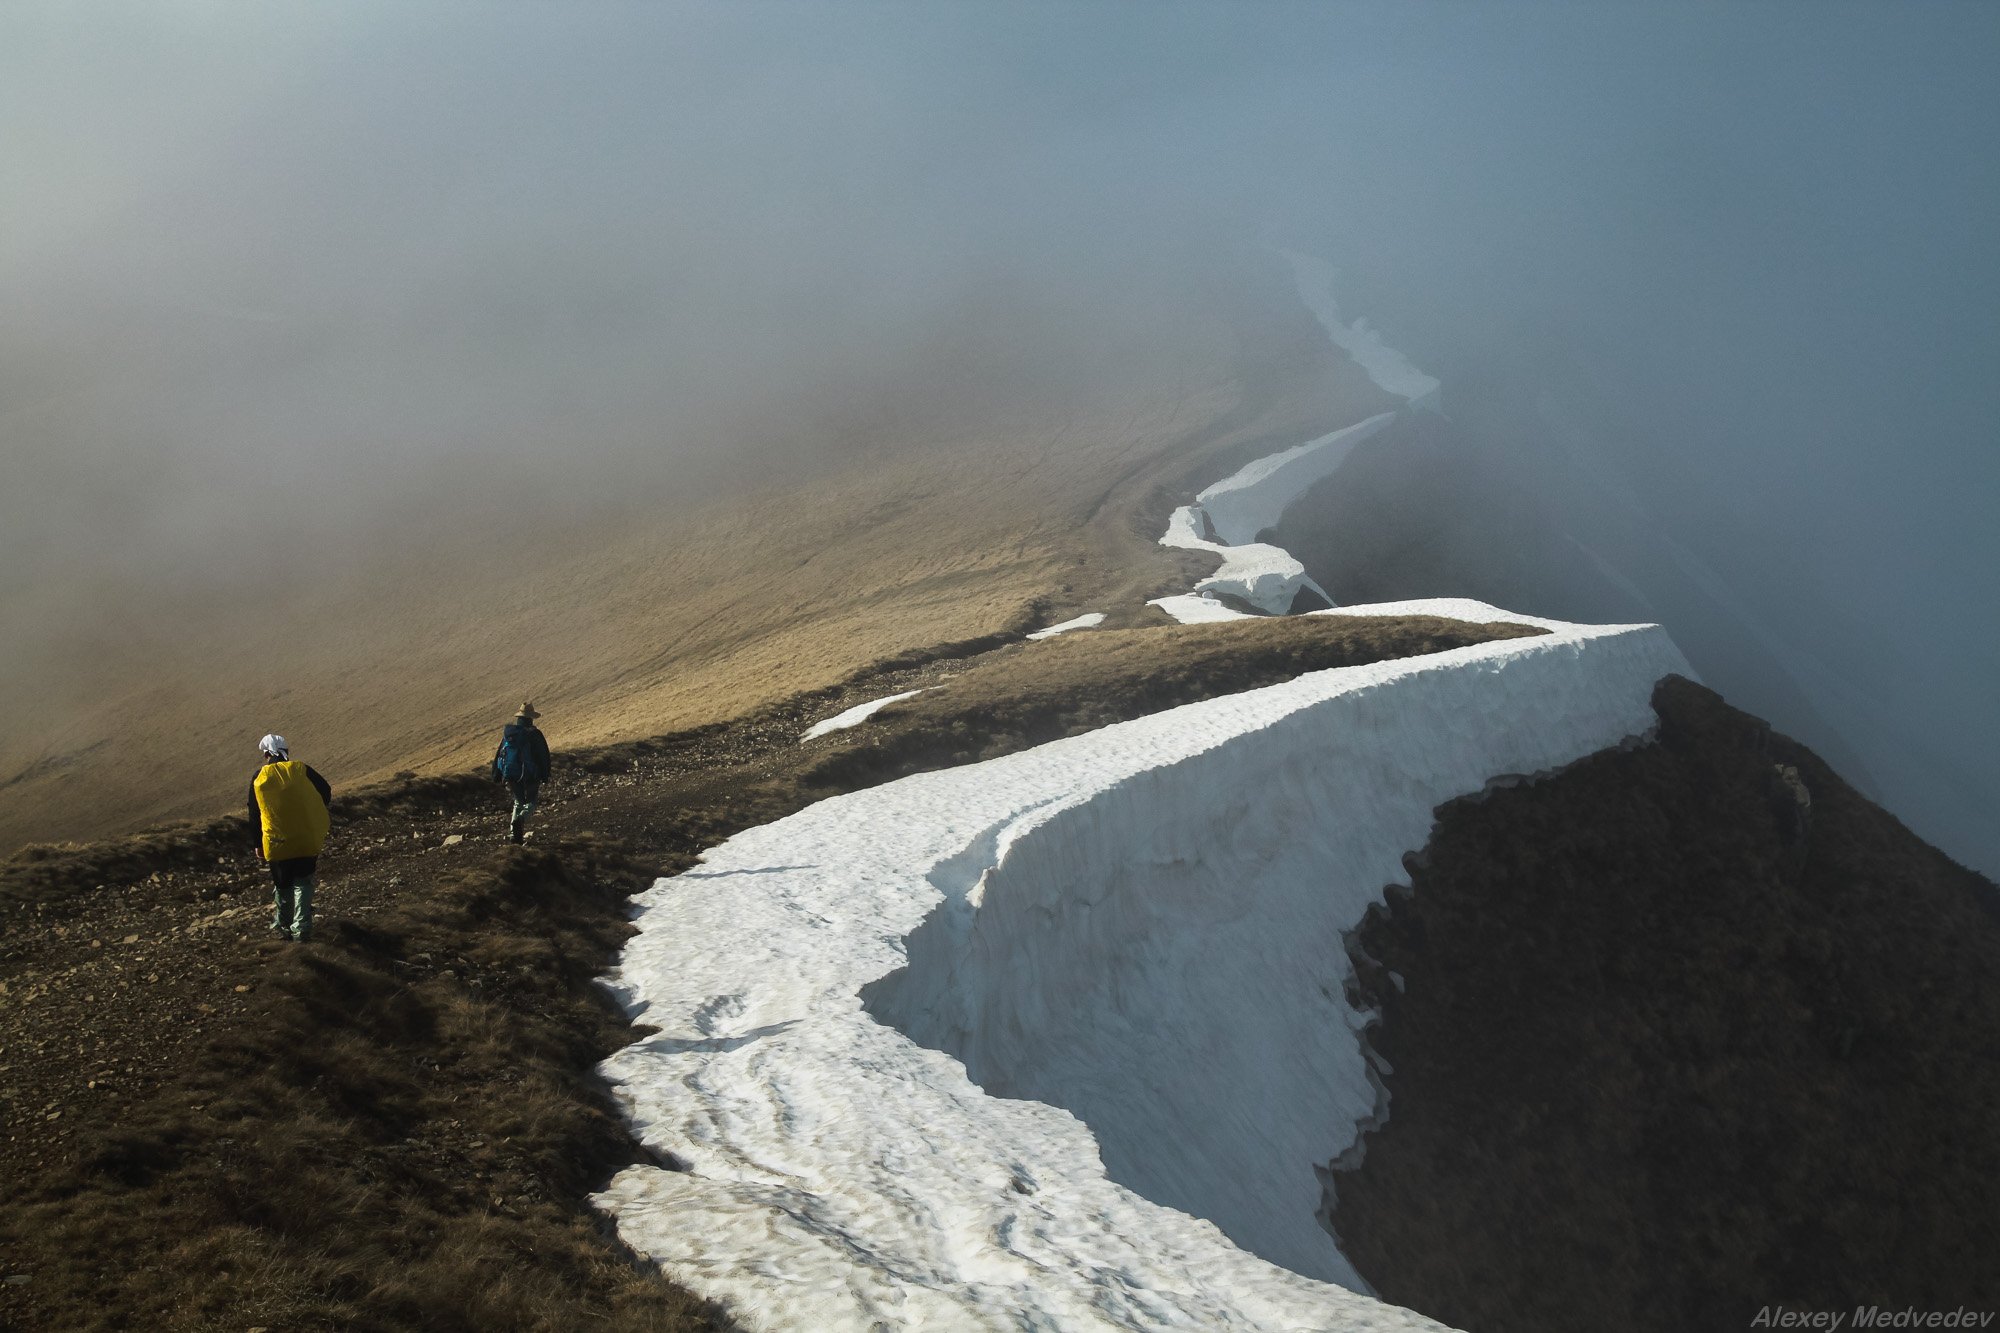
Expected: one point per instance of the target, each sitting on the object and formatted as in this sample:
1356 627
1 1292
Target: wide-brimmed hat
528 711
274 746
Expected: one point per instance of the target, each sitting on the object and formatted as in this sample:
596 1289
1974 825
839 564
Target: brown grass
400 1133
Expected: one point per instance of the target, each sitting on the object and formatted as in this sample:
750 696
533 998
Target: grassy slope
395 1127
626 628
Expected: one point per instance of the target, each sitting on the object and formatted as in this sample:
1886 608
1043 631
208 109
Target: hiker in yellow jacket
289 805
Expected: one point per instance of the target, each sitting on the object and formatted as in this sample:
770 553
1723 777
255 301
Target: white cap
274 745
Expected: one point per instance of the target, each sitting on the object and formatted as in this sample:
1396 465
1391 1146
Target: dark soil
398 1125
1664 1053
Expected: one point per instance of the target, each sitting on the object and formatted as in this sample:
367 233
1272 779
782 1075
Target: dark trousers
527 795
293 899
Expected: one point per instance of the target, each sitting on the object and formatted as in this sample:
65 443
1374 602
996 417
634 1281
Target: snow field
1143 925
1390 369
1226 517
1090 620
856 715
1256 496
1194 609
1456 608
1060 1041
1266 576
1197 609
1252 499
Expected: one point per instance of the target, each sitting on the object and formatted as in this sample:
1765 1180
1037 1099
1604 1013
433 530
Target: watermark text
1870 1316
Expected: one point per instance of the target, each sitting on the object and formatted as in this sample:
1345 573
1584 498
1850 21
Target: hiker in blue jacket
522 762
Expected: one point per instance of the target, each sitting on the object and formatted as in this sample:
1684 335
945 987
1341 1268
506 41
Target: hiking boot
514 831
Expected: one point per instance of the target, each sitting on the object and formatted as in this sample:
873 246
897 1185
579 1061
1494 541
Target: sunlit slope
631 624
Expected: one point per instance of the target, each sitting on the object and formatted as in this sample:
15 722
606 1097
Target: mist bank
1557 486
151 435
1708 296
289 289
306 286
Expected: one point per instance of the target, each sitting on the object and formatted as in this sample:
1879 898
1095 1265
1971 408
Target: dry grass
399 1134
633 624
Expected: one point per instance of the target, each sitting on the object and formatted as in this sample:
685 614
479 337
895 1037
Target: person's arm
319 785
256 822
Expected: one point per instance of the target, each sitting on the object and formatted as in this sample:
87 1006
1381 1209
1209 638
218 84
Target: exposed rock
1661 1058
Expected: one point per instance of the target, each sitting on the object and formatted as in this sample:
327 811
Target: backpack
512 762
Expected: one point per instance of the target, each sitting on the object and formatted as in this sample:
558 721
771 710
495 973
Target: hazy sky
332 262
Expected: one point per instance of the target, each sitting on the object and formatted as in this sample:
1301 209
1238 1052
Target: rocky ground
1682 1032
397 1125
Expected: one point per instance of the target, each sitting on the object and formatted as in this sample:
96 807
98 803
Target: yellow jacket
291 803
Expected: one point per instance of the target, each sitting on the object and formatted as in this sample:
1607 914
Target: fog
317 265
358 270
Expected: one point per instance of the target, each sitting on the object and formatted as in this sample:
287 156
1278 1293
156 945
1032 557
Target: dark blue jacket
534 749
